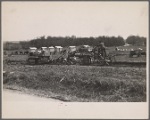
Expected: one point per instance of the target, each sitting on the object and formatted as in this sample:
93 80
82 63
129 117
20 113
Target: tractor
85 57
37 56
137 52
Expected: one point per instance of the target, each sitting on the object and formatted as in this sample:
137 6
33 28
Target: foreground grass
79 83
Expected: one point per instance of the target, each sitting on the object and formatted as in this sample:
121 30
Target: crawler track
122 64
131 64
114 64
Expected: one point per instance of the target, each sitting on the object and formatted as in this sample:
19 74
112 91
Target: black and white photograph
75 59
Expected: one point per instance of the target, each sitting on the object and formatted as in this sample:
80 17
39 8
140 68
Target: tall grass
82 83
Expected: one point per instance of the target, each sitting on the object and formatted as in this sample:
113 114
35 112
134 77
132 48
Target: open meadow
76 83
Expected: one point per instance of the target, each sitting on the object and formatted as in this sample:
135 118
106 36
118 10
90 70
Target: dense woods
74 41
136 40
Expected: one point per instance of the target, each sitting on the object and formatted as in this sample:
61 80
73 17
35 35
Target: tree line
74 41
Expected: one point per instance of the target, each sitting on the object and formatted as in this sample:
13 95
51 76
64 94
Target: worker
42 51
102 49
116 48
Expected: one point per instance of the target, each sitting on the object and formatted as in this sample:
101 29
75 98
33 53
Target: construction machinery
36 56
84 56
137 52
81 56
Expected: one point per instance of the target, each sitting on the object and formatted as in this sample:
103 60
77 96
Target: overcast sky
28 20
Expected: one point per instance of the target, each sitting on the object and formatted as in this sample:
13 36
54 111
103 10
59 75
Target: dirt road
18 105
10 95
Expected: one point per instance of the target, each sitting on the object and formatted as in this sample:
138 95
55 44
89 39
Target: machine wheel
101 62
36 61
130 55
86 60
32 61
29 60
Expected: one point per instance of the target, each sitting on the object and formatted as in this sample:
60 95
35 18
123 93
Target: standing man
102 49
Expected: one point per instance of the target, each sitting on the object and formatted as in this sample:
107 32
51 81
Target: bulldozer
81 56
85 57
37 56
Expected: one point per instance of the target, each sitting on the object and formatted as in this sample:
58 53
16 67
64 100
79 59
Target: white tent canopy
72 46
32 48
58 47
86 45
51 47
43 47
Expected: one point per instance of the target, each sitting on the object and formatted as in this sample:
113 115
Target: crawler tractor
85 57
37 56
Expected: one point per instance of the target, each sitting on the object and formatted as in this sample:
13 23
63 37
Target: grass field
79 83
